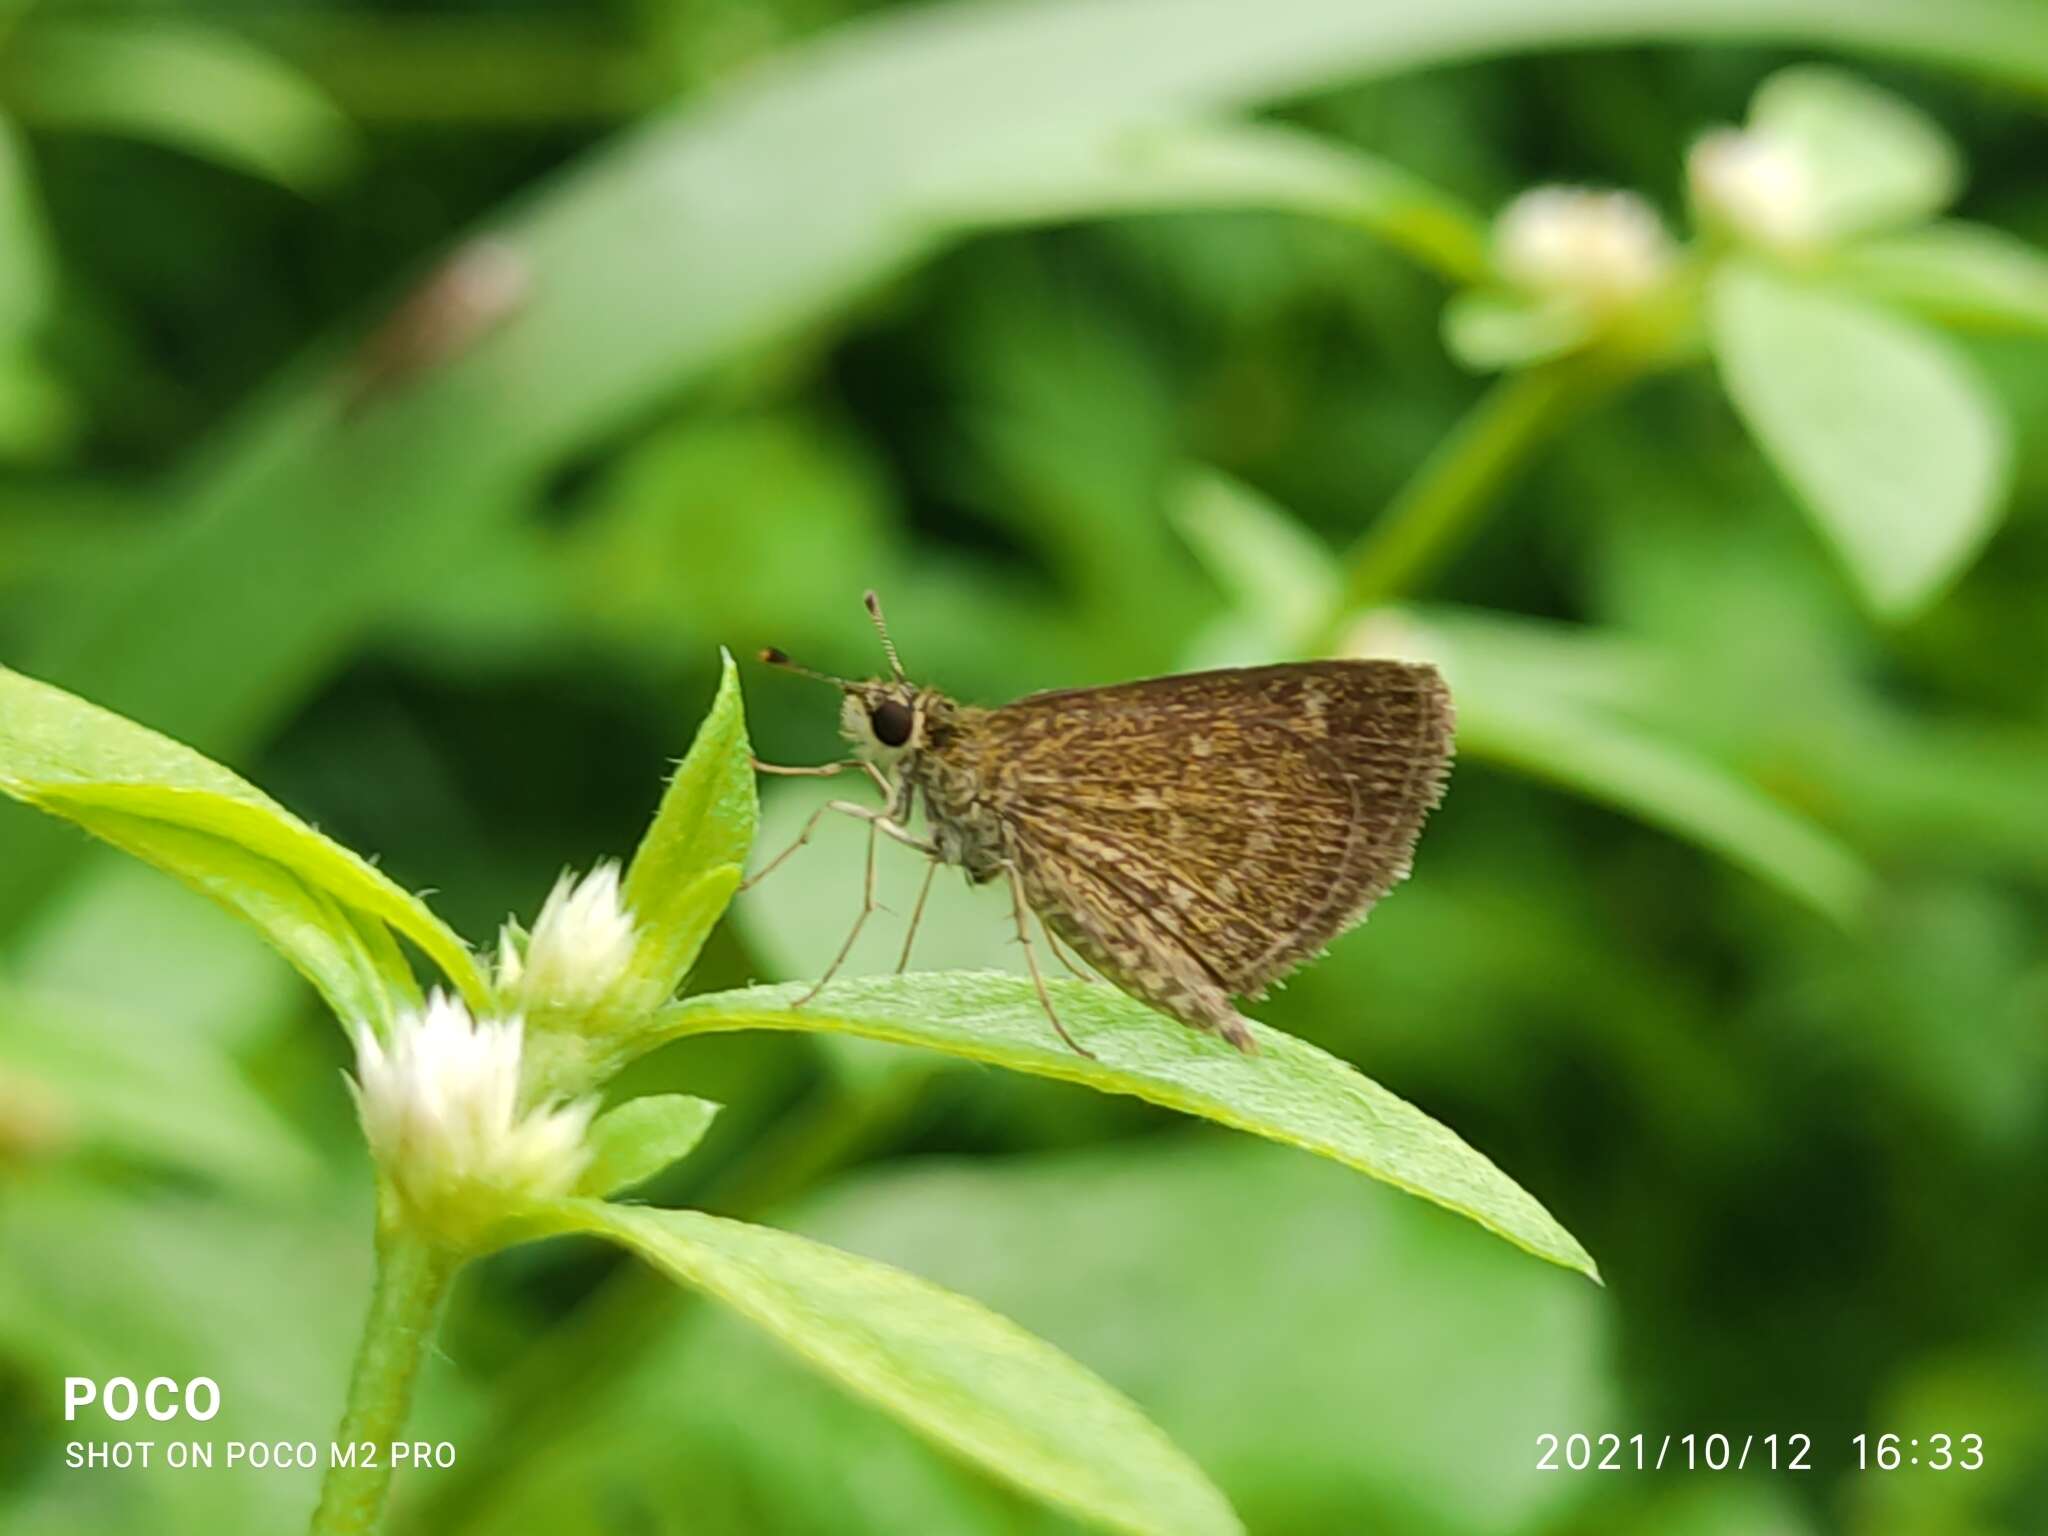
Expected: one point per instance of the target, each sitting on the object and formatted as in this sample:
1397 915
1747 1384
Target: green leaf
1569 708
270 832
25 264
1888 438
952 1370
264 1296
350 959
1278 574
688 865
1186 1256
39 417
166 1098
1489 331
1290 1092
1965 275
1671 786
165 803
1314 1352
634 1141
1176 167
1489 655
1876 161
1465 475
194 87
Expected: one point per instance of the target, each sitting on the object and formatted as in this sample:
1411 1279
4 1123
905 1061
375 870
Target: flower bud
1756 185
440 1108
582 944
1602 249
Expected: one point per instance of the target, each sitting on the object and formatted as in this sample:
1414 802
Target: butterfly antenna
776 658
882 628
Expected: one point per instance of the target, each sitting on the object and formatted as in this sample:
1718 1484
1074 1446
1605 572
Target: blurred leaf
167 1100
1721 1508
1876 161
1542 701
266 1302
657 557
322 904
1888 438
180 82
1933 787
1944 1007
1969 275
952 1370
1338 1365
1489 331
632 1142
350 958
1290 1092
1071 425
688 864
26 275
38 417
1669 786
128 942
1278 575
1546 701
1498 655
1996 1393
1464 476
1161 168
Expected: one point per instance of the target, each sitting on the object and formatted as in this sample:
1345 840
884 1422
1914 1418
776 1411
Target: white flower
440 1110
582 943
1604 249
511 956
1757 185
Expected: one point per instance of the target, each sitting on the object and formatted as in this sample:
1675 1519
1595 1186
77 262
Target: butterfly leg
878 822
867 910
822 771
1059 953
828 771
775 863
916 916
1031 959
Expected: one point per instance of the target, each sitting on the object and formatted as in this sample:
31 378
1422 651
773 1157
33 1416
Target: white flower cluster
1602 249
440 1108
1758 185
582 943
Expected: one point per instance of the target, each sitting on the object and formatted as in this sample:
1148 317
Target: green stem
412 1282
1437 509
575 1363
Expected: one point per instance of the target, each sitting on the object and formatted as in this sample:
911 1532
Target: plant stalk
412 1283
572 1365
1436 511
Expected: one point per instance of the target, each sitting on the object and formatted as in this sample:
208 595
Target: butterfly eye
891 721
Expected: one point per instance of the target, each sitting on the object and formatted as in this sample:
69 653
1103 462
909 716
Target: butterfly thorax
952 771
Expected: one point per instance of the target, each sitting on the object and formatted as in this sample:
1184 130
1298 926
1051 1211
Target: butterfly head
884 718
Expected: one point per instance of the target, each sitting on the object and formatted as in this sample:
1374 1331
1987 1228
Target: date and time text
1718 1452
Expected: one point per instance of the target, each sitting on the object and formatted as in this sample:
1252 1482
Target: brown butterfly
1193 837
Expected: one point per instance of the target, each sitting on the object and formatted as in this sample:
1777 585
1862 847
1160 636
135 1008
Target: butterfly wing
1201 835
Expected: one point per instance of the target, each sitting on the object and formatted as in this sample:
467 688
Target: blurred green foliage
799 319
